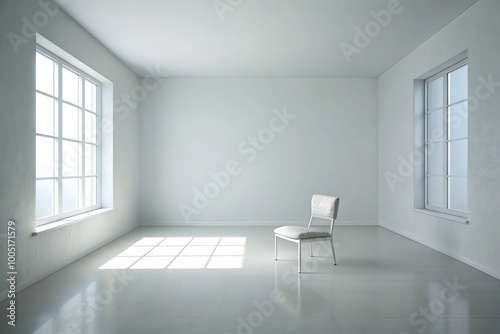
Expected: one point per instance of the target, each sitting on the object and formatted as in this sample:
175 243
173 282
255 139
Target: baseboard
273 223
23 285
443 250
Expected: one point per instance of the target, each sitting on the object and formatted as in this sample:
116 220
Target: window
446 107
67 144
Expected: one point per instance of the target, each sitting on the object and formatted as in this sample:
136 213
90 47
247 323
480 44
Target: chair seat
299 232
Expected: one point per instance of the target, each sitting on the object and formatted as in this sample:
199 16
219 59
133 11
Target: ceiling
263 38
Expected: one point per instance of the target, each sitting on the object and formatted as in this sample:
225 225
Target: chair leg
311 247
333 251
275 247
299 259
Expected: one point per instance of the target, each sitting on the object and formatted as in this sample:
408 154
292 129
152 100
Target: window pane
90 128
71 123
70 86
90 160
46 157
90 191
458 84
435 126
71 159
70 198
46 115
458 121
45 74
458 194
435 94
435 191
435 159
44 198
90 96
458 158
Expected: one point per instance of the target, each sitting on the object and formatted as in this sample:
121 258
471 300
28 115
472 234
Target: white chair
322 206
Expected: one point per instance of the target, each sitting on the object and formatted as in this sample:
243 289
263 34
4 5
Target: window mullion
98 140
59 138
426 146
84 147
445 140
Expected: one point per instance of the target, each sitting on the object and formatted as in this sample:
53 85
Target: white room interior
252 107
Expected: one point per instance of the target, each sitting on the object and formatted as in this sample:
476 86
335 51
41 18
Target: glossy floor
225 280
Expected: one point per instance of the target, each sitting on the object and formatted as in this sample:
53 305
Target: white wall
192 127
477 243
41 255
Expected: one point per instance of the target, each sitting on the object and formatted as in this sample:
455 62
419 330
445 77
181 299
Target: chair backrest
326 207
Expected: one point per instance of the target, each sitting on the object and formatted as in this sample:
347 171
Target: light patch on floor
181 253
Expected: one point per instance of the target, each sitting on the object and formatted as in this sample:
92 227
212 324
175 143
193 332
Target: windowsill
457 219
68 221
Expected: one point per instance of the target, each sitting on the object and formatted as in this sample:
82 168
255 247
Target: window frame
58 163
445 141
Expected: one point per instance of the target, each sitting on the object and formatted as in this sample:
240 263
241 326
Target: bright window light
189 262
230 250
68 154
204 241
198 250
175 241
135 251
149 241
157 262
225 262
181 253
166 251
120 262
